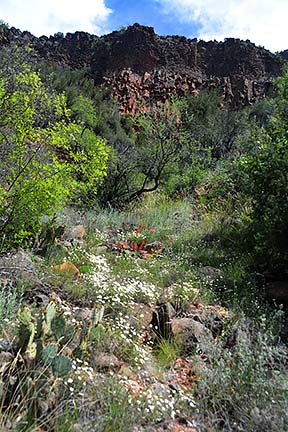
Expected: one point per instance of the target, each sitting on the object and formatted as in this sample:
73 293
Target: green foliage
244 386
262 111
166 352
9 303
86 153
212 129
3 24
45 157
61 365
212 137
282 100
265 183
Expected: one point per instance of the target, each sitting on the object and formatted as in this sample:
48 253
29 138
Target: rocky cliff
143 68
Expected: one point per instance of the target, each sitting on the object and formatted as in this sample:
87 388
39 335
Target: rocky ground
126 343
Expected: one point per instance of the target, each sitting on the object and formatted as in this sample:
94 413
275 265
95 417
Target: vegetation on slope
155 315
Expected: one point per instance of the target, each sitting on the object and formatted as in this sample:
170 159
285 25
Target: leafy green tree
45 157
265 182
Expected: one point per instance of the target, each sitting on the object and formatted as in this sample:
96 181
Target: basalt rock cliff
143 68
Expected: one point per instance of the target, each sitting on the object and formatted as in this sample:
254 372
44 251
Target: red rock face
144 69
134 91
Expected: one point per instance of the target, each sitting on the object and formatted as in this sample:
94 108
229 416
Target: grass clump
166 352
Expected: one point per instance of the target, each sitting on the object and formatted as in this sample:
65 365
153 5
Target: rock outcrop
143 68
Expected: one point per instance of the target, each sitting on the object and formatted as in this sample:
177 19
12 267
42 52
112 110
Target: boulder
190 333
154 247
6 346
19 268
212 317
15 262
74 236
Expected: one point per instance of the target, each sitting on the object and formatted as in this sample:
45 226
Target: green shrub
3 24
45 157
264 180
244 386
266 183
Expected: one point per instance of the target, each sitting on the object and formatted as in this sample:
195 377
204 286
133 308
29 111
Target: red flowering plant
135 241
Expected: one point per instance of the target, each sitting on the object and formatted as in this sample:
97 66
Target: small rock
84 314
68 269
78 232
5 345
105 362
154 247
210 275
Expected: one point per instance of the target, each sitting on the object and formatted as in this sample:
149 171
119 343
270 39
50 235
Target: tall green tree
44 156
265 182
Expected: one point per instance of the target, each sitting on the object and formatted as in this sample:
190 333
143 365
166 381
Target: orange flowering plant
136 240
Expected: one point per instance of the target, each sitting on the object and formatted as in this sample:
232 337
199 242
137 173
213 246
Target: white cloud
50 16
264 22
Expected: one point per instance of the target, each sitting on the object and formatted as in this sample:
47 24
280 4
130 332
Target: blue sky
150 13
261 21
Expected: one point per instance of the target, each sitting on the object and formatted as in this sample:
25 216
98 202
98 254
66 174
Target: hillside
143 257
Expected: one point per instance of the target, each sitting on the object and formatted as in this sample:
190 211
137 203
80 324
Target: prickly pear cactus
26 333
43 336
49 353
58 327
61 365
85 336
50 315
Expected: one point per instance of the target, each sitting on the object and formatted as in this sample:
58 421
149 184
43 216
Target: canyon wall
143 68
